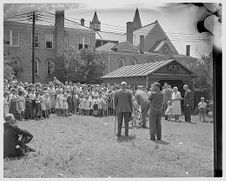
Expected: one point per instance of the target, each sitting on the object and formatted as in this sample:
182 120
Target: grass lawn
81 146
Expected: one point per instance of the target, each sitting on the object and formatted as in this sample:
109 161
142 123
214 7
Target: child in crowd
87 106
202 109
38 108
27 106
81 105
20 105
47 104
95 106
75 103
6 103
65 104
13 103
100 105
105 106
57 103
32 97
169 110
43 106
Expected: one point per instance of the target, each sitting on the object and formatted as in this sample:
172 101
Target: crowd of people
25 101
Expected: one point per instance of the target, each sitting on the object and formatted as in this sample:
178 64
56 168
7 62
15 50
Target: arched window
121 63
36 67
50 66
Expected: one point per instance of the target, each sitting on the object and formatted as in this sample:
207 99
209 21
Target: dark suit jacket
11 135
188 97
123 101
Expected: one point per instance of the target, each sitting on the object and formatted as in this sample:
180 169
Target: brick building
140 44
50 42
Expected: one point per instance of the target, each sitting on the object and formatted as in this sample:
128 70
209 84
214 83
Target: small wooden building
170 71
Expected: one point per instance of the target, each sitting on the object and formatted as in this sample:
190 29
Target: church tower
95 23
136 20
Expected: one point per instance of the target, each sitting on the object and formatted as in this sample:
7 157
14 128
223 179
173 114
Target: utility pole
33 47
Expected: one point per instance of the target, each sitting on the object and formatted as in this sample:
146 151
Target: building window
80 46
49 40
36 68
7 37
133 62
11 38
121 63
49 68
36 39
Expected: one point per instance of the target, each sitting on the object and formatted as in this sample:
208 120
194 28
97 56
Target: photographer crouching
15 138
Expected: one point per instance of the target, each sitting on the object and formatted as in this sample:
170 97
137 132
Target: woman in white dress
176 103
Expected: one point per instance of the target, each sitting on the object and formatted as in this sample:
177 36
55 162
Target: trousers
144 112
155 127
187 113
126 116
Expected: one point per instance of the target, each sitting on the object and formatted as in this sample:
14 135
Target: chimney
188 50
82 22
59 33
142 44
129 33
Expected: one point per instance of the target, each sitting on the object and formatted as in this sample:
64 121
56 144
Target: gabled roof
145 30
110 36
140 70
106 47
125 46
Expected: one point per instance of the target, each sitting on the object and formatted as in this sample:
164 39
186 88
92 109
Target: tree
79 66
203 68
11 68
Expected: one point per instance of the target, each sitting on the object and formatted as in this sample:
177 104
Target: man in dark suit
123 105
142 100
187 103
12 134
156 103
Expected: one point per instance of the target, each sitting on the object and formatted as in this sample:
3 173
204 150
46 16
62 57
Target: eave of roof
141 70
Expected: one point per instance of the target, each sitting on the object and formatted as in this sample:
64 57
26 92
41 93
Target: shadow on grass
126 138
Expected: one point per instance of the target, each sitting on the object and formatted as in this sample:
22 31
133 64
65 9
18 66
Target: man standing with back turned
156 103
123 105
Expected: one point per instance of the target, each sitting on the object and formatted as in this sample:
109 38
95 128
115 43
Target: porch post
147 79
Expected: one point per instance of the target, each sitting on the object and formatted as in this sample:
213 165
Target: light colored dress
20 104
64 102
43 100
176 103
6 106
169 110
52 93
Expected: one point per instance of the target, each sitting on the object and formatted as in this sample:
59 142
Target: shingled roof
140 70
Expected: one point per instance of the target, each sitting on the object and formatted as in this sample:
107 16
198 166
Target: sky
177 20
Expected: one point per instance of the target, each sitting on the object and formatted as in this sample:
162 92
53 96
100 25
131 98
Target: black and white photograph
112 89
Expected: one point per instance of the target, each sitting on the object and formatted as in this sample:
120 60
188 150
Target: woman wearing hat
176 103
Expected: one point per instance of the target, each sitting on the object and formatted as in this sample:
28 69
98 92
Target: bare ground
80 146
